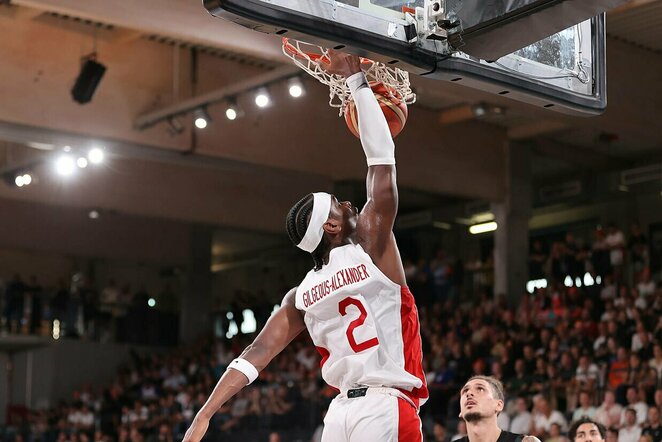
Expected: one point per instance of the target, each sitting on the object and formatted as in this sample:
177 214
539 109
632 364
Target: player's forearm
233 380
375 135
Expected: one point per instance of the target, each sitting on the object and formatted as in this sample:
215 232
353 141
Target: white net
307 56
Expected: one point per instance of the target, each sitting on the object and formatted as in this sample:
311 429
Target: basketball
394 108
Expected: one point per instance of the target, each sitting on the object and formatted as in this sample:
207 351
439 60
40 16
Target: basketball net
309 56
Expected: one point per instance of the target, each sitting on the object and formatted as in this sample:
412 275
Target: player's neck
343 242
483 430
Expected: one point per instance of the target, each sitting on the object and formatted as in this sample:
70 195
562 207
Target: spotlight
93 214
296 87
201 118
27 179
19 181
67 148
262 98
95 155
65 165
151 302
81 162
233 111
483 228
175 127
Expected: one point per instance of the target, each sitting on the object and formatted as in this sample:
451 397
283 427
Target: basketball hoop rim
312 56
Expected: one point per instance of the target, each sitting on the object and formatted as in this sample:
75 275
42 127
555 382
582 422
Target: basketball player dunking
354 303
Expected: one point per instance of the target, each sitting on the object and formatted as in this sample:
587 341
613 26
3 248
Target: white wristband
246 368
356 82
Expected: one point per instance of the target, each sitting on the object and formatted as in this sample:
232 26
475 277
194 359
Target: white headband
315 230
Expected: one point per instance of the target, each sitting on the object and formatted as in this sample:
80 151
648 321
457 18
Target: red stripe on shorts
413 353
409 424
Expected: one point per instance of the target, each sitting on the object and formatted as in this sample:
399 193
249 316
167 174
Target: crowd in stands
563 352
82 310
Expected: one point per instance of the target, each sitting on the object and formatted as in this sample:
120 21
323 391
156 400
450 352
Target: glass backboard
564 72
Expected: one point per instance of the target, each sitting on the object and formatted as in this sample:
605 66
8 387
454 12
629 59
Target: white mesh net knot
307 56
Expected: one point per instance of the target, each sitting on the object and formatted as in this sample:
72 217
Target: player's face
477 401
346 213
588 433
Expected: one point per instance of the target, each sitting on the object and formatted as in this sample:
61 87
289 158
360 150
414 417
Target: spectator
555 434
612 435
586 409
656 362
544 416
635 403
439 433
638 248
618 369
587 374
461 430
615 241
630 432
609 412
521 423
653 426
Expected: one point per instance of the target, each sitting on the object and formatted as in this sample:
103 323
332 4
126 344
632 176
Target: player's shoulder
290 297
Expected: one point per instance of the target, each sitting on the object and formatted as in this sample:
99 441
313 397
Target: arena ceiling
247 173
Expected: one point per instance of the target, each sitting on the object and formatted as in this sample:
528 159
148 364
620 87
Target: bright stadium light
65 165
81 162
95 155
262 98
249 324
233 111
483 228
567 281
296 87
201 118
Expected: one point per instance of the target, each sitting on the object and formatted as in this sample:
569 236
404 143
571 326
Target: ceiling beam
151 118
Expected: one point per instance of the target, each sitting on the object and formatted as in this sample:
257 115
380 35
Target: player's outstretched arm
278 332
375 228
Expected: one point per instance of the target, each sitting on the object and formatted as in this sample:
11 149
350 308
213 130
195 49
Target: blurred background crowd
585 340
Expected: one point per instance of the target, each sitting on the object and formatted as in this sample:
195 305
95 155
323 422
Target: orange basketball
394 108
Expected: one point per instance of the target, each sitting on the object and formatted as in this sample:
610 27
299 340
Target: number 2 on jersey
360 346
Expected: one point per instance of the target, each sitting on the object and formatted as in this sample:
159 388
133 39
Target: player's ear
332 226
499 406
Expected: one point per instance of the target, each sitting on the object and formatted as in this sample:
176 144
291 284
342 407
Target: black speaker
90 75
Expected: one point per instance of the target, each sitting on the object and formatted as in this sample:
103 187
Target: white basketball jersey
364 325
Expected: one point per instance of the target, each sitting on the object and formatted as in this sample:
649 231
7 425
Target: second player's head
587 430
319 222
481 398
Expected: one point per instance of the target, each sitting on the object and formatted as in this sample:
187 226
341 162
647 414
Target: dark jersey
656 432
505 436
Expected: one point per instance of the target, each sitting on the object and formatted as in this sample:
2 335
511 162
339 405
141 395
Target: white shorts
382 415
